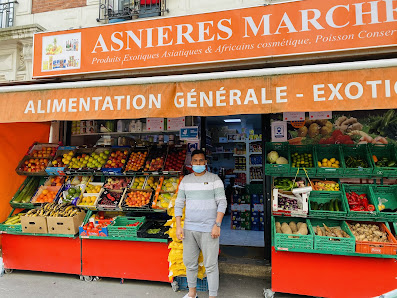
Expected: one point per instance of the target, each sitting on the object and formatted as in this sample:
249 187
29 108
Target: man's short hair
199 151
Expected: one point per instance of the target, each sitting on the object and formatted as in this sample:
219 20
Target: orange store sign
292 28
307 92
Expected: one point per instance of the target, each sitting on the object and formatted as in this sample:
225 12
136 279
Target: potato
285 228
293 226
278 227
303 230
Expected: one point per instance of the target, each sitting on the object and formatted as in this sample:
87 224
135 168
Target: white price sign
320 115
155 124
293 116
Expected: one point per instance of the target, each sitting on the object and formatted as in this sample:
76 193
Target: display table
334 276
143 260
42 253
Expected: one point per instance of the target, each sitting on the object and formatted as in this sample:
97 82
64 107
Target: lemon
332 160
325 160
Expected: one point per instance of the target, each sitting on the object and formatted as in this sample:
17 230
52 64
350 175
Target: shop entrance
234 152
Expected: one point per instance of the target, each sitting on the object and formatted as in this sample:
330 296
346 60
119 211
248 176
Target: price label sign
155 124
320 115
175 123
293 116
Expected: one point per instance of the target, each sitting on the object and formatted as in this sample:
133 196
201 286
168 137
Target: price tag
320 115
293 116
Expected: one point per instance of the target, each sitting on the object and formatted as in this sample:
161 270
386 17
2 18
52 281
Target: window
7 13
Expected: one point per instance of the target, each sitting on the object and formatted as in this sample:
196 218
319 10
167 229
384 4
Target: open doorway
234 152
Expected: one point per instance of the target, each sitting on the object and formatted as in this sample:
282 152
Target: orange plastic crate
378 247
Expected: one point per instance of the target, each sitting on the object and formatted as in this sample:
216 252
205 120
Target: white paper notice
154 124
175 123
320 115
294 116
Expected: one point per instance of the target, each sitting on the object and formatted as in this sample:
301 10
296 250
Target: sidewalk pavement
40 284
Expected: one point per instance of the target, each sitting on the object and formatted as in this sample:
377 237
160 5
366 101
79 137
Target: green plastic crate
285 241
29 205
388 151
325 197
362 152
301 149
120 227
333 243
328 152
282 150
11 228
395 229
388 192
360 189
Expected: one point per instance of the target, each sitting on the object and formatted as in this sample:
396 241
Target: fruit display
117 183
136 161
46 152
80 160
384 162
98 159
331 205
93 187
152 182
138 182
175 159
63 160
55 181
87 201
14 220
80 180
299 228
335 231
359 202
110 199
25 195
34 165
72 193
302 160
93 229
274 158
355 162
368 232
326 185
137 198
170 184
329 163
155 160
164 200
46 194
117 159
54 210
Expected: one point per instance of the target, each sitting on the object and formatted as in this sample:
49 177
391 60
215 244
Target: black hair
199 151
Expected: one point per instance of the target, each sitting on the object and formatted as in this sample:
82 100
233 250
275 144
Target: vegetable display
331 232
384 162
326 186
355 162
299 228
329 163
27 192
368 232
332 205
359 202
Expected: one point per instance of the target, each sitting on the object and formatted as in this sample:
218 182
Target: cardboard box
34 225
65 225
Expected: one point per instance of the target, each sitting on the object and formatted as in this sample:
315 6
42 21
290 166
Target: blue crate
202 284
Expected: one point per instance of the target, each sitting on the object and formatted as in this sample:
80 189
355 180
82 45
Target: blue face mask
199 168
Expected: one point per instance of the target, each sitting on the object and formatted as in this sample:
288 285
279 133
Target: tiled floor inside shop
240 237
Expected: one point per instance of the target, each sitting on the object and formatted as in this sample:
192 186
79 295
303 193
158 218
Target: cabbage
272 156
281 161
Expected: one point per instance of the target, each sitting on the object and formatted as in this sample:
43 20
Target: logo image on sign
189 132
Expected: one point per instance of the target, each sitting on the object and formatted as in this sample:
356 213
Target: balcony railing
130 9
7 13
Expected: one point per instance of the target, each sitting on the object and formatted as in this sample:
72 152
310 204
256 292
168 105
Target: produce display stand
48 253
301 270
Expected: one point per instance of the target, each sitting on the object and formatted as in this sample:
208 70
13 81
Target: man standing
204 195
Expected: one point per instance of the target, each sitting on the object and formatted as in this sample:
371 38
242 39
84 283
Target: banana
69 207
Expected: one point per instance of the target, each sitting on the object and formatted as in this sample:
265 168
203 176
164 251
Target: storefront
295 96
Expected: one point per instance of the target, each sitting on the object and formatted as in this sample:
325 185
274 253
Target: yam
293 226
285 228
318 231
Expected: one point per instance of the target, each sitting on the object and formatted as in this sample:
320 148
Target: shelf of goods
338 231
73 223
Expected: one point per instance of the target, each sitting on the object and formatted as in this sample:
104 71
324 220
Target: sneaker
187 296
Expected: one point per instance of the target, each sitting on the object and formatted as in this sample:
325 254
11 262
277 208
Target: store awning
363 85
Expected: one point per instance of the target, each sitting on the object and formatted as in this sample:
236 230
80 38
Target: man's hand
179 233
216 232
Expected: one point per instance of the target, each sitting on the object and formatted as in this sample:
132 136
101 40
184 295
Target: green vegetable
336 206
281 161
